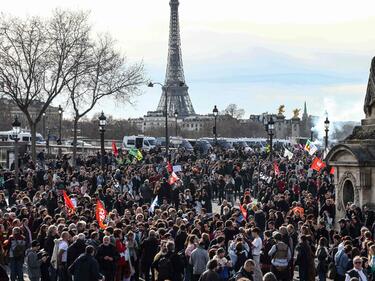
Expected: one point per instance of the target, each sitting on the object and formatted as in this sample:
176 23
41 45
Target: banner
310 147
317 164
100 214
177 168
288 154
68 202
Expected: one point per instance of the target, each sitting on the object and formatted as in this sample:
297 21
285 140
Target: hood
57 240
28 251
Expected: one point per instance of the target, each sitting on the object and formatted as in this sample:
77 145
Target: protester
85 267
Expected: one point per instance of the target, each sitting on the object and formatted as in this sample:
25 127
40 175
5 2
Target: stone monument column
296 129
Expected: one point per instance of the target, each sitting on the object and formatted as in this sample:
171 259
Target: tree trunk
33 140
75 128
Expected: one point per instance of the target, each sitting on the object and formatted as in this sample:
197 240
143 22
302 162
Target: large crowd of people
226 215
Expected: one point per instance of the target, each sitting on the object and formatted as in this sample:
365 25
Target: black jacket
209 275
109 251
75 250
85 268
149 249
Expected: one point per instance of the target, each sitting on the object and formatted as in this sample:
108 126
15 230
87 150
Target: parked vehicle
202 146
24 136
140 142
241 145
175 143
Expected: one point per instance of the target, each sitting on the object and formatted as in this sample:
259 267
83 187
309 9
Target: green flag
136 154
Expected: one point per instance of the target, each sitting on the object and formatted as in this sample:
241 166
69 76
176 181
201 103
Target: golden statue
296 113
281 110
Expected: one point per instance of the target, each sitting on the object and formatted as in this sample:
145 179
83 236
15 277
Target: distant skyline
257 54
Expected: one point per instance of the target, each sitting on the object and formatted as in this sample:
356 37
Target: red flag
68 202
100 214
169 167
317 164
332 171
114 149
243 211
299 210
276 169
173 178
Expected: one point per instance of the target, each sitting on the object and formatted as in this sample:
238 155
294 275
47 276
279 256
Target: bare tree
234 111
104 75
37 58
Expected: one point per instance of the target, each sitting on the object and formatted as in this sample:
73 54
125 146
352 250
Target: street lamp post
60 110
326 128
47 141
271 128
311 136
215 112
16 125
44 124
102 124
175 118
165 89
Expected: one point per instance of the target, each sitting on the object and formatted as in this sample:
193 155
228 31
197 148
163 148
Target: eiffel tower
175 87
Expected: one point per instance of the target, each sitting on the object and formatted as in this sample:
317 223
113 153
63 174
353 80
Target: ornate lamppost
326 129
102 124
44 125
60 110
16 126
271 131
215 112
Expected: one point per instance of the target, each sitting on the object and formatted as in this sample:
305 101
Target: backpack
165 268
223 272
19 250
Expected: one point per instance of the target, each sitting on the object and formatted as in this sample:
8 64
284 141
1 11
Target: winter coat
209 275
109 251
33 264
85 268
149 249
75 250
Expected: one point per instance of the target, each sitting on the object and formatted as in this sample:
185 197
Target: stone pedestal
280 128
354 163
296 129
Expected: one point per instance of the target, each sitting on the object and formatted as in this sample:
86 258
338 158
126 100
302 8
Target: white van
142 142
24 136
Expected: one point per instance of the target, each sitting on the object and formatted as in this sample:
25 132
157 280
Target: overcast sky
257 54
